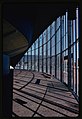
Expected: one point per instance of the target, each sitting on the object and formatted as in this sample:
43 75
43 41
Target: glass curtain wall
56 52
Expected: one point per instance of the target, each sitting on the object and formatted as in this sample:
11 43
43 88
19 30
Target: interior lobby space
41 59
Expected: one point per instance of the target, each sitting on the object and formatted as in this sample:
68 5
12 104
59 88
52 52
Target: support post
7 88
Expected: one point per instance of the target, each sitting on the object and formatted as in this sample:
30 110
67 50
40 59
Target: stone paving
39 95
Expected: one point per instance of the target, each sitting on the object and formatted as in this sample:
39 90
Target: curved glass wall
56 52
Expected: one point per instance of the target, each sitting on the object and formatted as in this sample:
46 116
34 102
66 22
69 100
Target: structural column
7 87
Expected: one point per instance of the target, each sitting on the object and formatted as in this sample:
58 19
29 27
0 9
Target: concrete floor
40 95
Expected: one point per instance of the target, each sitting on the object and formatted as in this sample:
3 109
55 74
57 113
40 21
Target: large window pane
47 55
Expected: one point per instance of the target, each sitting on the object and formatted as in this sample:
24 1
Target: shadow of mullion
17 85
15 114
42 105
55 110
28 82
61 95
34 90
51 92
26 97
18 73
54 103
46 86
28 89
40 102
62 106
27 93
52 96
29 108
19 80
52 87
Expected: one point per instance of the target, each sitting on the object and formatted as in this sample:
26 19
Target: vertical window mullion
61 48
77 36
46 50
24 62
55 48
50 52
75 59
34 54
42 55
69 56
27 60
31 57
38 54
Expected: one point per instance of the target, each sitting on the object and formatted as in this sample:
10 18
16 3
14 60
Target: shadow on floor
43 98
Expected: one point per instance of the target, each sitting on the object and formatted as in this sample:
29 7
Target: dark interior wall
14 60
31 19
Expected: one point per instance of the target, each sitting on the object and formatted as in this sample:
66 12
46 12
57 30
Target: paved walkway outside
38 95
